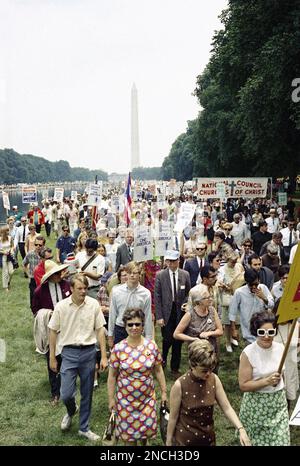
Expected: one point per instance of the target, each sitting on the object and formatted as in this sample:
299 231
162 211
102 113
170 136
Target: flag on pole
289 307
127 210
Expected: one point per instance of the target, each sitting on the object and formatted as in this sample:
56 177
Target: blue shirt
65 244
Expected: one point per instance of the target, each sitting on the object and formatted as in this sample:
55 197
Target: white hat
51 268
172 255
14 206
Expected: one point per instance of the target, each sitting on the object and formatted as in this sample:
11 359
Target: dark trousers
38 228
48 228
54 378
169 341
22 249
119 334
32 287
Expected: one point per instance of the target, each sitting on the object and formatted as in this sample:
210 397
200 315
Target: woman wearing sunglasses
264 411
130 383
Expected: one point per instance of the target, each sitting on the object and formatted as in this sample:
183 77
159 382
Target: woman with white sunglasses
264 411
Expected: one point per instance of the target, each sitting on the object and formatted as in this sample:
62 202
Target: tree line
21 168
249 124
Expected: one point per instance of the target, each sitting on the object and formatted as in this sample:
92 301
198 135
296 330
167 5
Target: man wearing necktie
290 236
172 287
53 288
20 237
194 266
125 251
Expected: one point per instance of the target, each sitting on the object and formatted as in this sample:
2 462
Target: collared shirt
77 324
277 290
246 304
286 236
31 258
124 298
172 283
20 233
97 266
65 244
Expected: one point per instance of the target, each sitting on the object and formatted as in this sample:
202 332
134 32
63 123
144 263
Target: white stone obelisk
135 145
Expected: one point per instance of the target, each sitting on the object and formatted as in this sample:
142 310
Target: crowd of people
222 276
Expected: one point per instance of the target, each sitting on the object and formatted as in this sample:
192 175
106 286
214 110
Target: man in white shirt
92 265
20 237
239 230
272 222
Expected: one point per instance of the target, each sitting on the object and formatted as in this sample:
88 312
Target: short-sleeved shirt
65 244
77 324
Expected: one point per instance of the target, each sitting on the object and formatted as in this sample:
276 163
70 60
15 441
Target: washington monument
135 145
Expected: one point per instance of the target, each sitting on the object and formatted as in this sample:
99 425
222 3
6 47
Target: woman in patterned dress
192 401
264 409
130 383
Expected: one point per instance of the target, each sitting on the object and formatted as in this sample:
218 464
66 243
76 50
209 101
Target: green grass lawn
26 416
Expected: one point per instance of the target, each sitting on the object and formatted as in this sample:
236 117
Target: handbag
163 420
109 436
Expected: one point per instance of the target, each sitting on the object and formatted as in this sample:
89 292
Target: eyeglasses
262 332
134 324
227 229
247 245
273 253
66 231
37 244
200 249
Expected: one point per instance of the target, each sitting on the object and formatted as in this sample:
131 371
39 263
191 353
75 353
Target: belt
79 346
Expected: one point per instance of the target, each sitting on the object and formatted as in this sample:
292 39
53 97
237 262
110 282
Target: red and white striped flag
127 210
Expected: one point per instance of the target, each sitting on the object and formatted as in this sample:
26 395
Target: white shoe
228 349
234 342
89 435
67 421
96 384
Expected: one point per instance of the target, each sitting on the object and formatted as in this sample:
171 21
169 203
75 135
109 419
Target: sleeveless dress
199 324
195 424
136 401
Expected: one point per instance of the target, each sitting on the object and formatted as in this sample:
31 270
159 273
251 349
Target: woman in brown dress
192 400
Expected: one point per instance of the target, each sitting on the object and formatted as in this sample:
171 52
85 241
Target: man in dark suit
194 266
53 288
172 287
125 251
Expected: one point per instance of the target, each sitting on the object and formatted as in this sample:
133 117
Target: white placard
143 249
185 216
73 195
29 194
58 194
95 194
45 194
161 201
6 203
295 417
282 198
164 238
234 187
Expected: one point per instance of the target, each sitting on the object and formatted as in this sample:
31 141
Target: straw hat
51 268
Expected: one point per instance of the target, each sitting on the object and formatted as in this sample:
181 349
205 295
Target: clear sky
67 68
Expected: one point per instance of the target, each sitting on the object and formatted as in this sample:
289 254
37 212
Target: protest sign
6 203
95 194
29 194
58 194
185 215
143 249
163 238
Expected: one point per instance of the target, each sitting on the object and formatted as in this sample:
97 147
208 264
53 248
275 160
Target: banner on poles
234 187
143 250
289 306
58 194
29 194
6 203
